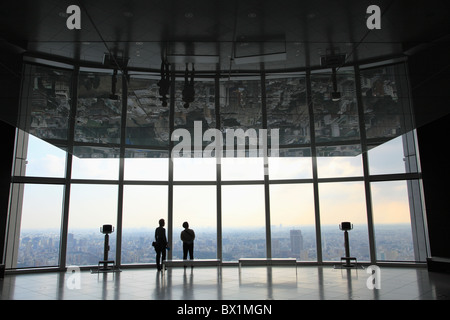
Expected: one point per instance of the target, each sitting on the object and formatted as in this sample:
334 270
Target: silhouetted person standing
188 236
164 83
188 90
160 244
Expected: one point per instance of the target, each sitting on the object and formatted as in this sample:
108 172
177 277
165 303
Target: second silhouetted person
188 236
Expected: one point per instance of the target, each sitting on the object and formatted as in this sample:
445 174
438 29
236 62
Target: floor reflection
228 283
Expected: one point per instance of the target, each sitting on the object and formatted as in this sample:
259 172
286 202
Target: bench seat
268 262
191 263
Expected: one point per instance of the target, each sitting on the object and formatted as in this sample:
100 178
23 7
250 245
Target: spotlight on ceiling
113 95
335 95
333 60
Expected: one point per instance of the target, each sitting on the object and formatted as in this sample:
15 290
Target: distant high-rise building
70 240
296 242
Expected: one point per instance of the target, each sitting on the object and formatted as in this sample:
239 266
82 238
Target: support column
218 169
314 167
365 162
266 166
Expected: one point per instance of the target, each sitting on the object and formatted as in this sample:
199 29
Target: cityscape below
40 248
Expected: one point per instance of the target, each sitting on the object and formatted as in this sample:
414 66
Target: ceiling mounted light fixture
113 95
335 95
334 60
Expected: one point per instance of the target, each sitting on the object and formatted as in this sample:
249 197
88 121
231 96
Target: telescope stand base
347 263
106 266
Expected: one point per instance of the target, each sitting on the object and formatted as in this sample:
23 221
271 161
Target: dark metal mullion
266 165
218 169
170 159
365 162
123 127
67 183
314 168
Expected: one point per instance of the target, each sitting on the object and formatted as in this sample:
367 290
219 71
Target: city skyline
87 248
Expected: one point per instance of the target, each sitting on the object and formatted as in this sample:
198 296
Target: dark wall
429 72
433 146
10 71
7 134
430 87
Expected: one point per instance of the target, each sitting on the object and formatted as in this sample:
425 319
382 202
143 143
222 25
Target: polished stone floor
228 283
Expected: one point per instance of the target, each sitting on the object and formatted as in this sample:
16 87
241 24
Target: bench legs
190 263
271 265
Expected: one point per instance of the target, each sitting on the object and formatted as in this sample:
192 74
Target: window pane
201 111
392 220
146 165
194 169
292 221
242 168
339 202
147 119
339 161
99 108
297 164
197 206
287 109
240 103
44 159
91 207
40 225
46 102
95 163
387 157
386 109
243 222
143 206
335 120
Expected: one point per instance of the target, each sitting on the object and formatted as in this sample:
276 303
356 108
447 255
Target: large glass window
243 221
143 207
292 221
40 226
343 202
255 188
392 220
91 207
195 205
